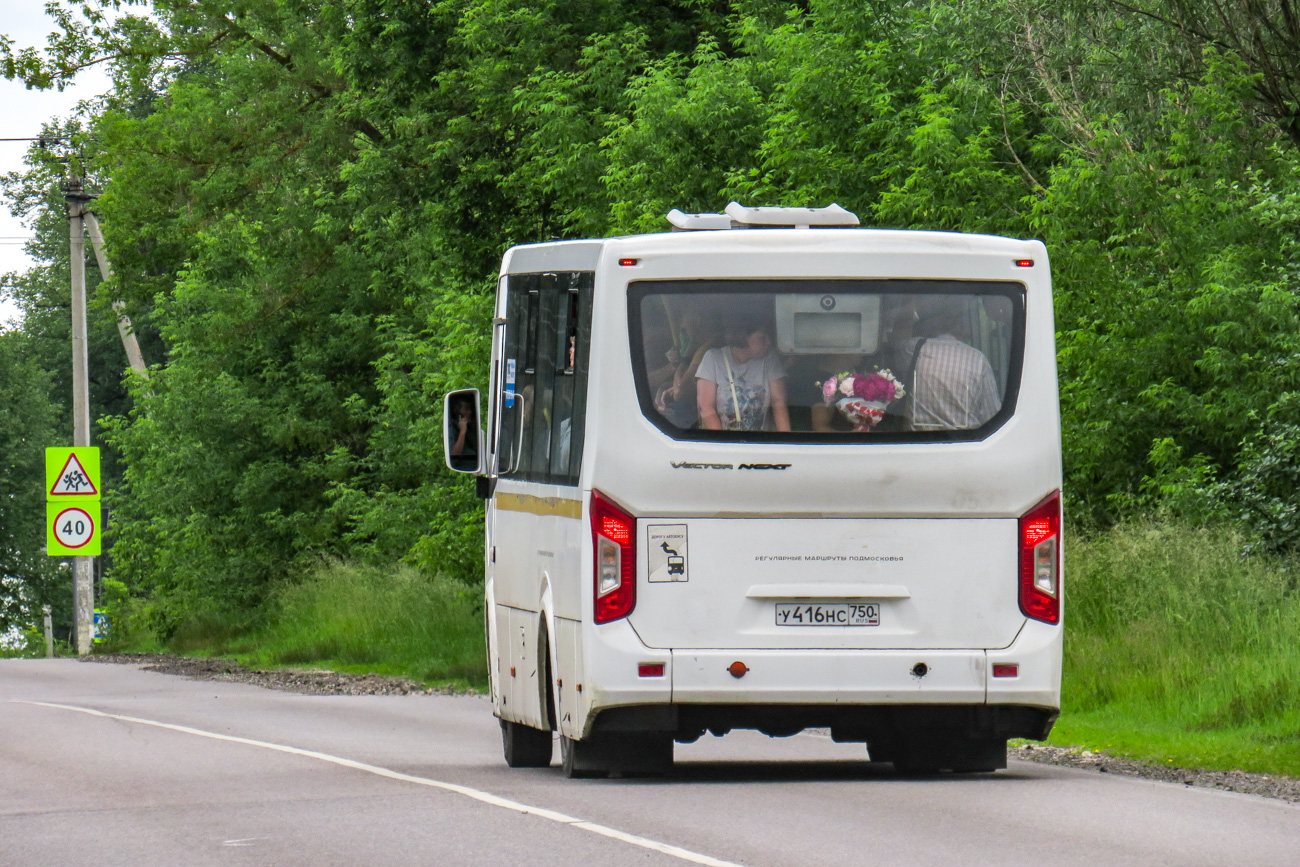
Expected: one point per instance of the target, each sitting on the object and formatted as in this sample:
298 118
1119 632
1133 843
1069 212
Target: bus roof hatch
738 216
798 218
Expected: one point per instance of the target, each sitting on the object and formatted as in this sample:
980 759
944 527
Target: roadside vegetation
344 617
1180 649
305 205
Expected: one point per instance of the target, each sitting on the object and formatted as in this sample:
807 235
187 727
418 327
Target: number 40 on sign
73 530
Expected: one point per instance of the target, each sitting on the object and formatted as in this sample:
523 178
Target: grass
1181 651
359 619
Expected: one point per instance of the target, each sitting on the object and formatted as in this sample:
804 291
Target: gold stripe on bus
561 507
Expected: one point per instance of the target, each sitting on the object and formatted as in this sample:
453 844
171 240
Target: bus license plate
828 614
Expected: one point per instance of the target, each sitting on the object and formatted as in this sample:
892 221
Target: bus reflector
1040 561
1006 670
650 669
613 537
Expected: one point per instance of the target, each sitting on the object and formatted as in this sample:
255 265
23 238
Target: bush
1267 479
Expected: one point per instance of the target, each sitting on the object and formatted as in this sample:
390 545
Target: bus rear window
809 360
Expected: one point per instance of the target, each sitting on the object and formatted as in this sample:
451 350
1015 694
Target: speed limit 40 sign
72 529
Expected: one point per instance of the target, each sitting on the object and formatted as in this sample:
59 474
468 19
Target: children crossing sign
72 510
72 473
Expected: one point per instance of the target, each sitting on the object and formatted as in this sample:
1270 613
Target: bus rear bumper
852 692
829 676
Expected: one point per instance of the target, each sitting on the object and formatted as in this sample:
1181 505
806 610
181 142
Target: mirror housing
463 448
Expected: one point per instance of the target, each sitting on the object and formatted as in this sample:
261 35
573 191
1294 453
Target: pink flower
846 383
829 388
873 387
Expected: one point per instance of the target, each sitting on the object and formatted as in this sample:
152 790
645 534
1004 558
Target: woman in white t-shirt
741 386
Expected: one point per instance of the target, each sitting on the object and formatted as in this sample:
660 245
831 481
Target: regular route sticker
666 550
72 530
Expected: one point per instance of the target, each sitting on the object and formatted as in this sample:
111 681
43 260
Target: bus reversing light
613 537
1040 556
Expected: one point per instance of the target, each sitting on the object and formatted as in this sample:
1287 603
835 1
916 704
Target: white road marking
485 797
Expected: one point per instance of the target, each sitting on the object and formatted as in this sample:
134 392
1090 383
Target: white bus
770 471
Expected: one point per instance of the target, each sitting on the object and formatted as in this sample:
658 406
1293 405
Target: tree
28 578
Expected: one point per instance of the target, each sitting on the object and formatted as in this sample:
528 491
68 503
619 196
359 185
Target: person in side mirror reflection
462 420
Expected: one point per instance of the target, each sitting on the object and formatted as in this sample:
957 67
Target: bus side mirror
462 434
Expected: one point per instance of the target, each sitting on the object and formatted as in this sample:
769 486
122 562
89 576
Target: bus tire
582 759
649 754
525 746
980 756
961 755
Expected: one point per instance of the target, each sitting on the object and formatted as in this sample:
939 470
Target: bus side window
565 329
547 334
578 327
542 411
564 304
517 375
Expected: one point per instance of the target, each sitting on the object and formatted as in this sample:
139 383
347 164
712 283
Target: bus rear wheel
650 754
525 746
961 755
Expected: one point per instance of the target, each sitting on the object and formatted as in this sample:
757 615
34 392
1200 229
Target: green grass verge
357 619
1179 650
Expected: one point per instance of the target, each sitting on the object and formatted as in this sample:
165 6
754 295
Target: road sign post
74 525
83 568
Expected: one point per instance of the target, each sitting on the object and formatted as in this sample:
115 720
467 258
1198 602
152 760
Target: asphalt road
109 765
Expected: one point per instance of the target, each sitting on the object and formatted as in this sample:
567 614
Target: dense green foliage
306 204
28 579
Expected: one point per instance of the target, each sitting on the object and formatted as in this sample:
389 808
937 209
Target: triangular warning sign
74 480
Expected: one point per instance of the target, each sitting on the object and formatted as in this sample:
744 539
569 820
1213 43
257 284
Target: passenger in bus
741 386
677 397
953 383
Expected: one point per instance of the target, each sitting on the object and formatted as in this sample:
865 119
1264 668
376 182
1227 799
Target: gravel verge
299 680
314 682
1268 785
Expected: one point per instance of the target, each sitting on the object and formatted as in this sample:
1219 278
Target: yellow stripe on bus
561 507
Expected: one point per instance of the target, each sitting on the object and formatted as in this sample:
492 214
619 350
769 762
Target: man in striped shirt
953 383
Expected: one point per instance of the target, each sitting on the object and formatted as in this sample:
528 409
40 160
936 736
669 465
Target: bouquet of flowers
862 397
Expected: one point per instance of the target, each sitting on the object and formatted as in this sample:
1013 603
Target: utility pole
83 567
124 328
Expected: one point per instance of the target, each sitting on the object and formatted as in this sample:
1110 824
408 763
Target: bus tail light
613 536
1040 561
